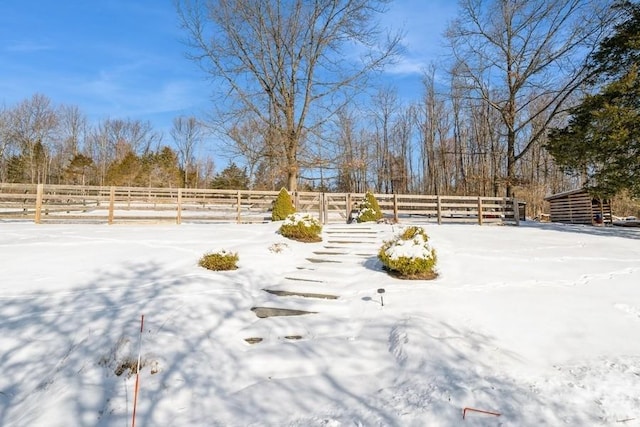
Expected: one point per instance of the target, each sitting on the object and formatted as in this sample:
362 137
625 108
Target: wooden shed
579 207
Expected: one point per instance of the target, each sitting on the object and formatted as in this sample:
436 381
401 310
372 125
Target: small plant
409 255
278 247
282 206
369 209
301 227
219 261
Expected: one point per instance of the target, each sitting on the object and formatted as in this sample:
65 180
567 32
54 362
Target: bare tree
187 134
384 110
73 129
433 129
290 63
70 137
402 158
113 139
32 126
5 141
352 153
514 52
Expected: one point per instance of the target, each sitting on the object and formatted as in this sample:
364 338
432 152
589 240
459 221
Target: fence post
296 200
348 203
516 211
179 213
325 208
395 207
480 210
112 201
439 207
38 212
238 200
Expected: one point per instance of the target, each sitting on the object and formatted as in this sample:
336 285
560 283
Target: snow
301 218
539 323
414 248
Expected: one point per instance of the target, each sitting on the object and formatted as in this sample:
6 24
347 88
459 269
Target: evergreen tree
231 178
283 206
161 169
126 172
78 168
369 209
602 139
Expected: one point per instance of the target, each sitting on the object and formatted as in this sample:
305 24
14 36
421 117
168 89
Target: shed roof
565 194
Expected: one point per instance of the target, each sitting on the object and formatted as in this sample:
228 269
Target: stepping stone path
301 293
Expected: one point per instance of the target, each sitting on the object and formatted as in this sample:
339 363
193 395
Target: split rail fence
72 203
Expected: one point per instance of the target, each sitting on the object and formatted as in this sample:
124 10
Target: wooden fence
69 203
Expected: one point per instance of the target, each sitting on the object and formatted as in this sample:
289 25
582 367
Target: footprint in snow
628 309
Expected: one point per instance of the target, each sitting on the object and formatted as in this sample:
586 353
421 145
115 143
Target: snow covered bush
301 227
369 209
219 261
283 206
409 255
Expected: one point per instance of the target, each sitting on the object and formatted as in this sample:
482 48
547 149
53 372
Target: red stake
464 412
135 395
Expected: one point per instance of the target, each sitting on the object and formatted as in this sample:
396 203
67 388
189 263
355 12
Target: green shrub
369 209
283 206
219 261
301 227
409 255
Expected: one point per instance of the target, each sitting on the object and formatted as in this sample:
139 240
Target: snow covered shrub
409 255
301 227
283 206
219 261
369 209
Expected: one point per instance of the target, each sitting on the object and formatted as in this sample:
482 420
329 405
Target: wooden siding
578 207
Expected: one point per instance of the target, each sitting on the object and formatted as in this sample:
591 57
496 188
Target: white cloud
27 46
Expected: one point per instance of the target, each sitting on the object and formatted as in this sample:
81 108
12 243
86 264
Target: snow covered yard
540 323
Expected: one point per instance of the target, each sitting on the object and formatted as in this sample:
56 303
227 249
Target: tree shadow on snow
66 352
63 349
608 231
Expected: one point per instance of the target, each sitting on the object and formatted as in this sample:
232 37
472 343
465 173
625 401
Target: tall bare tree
402 158
384 110
352 153
32 127
187 134
514 52
433 129
290 63
251 139
68 141
5 141
113 139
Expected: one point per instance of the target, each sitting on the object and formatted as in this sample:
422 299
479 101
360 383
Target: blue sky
124 58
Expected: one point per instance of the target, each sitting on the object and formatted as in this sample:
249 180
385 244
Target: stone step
263 312
283 293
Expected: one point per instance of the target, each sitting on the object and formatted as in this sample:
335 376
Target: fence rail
73 203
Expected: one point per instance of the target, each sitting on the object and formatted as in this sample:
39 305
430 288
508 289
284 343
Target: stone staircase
297 306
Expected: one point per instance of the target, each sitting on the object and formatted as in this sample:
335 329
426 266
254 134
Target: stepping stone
300 294
253 340
263 312
320 260
351 232
300 279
